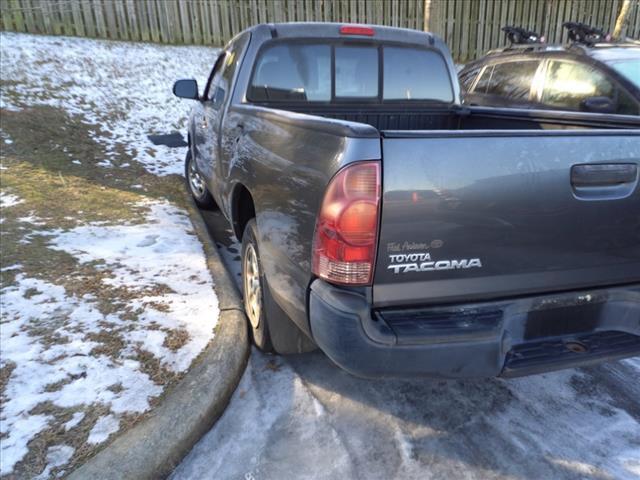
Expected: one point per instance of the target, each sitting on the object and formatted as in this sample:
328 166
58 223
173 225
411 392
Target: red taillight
356 30
344 247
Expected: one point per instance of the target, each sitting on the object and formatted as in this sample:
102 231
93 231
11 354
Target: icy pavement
301 417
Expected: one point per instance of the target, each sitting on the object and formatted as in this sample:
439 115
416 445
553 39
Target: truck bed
391 117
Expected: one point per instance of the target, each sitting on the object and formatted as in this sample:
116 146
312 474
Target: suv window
467 78
513 79
567 84
483 81
626 104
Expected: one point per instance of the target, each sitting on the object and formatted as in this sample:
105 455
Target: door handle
604 181
603 174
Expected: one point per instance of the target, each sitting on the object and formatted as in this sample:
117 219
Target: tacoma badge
422 262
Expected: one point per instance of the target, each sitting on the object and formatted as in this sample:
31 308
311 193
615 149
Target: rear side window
415 74
467 78
289 72
307 72
513 79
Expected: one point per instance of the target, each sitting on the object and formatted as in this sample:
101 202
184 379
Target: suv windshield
326 72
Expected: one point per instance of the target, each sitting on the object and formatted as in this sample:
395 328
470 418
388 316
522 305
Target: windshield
629 69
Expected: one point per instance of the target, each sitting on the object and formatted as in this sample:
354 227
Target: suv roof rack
523 40
584 34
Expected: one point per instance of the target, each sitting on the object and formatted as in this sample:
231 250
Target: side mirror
597 105
186 89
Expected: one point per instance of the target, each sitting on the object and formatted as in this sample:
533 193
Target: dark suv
599 77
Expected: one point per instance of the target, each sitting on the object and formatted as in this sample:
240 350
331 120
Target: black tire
258 326
202 197
273 331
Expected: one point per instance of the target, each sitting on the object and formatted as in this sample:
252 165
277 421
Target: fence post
427 16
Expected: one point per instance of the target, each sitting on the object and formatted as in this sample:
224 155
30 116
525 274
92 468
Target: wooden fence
470 27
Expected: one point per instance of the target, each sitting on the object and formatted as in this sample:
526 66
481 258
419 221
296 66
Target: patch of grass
55 140
55 434
31 292
5 373
111 343
176 339
150 365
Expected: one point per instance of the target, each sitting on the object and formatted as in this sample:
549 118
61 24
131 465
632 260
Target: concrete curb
154 447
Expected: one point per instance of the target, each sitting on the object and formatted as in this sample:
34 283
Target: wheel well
242 210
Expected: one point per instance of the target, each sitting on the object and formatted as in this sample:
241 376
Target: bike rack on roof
584 34
521 36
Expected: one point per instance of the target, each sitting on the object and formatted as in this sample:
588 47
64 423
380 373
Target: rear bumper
505 338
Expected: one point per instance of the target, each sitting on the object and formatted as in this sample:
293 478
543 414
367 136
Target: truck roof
332 30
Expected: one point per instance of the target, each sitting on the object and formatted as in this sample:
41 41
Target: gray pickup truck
403 233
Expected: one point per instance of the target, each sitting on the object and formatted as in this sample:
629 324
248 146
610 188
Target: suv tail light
346 235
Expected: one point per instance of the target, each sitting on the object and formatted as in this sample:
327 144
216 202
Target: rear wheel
196 184
271 328
252 281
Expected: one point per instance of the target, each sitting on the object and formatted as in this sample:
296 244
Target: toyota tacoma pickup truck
405 234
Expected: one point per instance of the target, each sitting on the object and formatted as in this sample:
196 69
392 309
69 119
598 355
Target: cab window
513 79
214 77
415 74
231 62
345 72
356 72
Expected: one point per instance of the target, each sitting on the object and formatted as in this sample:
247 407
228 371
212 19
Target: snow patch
15 266
104 427
57 456
164 250
85 378
71 73
32 219
8 200
75 420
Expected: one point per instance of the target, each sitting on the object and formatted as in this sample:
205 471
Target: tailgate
491 214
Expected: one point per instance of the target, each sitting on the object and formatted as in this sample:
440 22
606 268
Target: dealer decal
422 262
